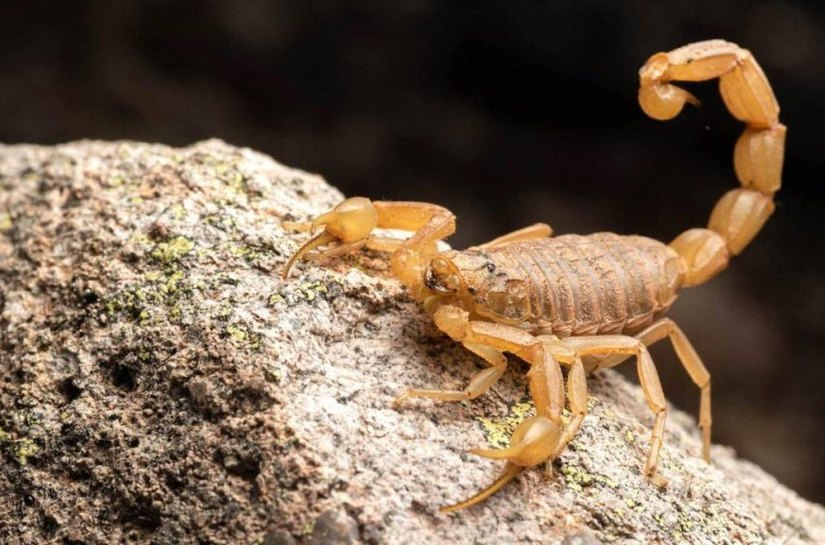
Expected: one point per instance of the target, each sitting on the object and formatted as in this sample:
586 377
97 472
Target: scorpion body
581 302
573 285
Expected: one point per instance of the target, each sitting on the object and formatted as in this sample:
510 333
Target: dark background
506 112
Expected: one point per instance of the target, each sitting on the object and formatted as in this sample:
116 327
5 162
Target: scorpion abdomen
595 284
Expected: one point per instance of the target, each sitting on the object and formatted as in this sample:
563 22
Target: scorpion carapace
583 302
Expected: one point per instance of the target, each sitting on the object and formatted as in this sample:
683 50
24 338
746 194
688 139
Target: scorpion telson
582 302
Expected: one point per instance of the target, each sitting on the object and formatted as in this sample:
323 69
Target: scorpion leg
648 377
576 391
689 359
478 385
534 440
537 230
577 396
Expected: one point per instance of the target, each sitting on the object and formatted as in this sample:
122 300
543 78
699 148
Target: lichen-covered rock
160 383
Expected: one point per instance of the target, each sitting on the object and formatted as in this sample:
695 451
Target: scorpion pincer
583 302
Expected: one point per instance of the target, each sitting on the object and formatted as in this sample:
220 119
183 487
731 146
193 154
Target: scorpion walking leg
648 377
577 396
537 230
692 364
478 385
689 359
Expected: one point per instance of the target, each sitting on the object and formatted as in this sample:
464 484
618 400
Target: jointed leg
690 360
531 232
648 378
478 385
577 396
692 364
490 341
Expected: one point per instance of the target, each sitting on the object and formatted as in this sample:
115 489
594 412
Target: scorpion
580 302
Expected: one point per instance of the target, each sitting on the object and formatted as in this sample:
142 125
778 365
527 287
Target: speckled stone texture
159 383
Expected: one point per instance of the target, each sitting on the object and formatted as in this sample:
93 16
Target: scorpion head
472 279
454 277
443 277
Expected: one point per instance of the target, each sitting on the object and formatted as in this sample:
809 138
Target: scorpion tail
511 471
757 157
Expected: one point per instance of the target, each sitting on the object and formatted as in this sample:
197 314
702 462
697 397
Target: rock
334 528
581 539
160 383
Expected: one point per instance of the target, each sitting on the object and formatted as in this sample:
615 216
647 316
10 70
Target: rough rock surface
159 383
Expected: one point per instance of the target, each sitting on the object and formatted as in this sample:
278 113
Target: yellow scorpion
583 302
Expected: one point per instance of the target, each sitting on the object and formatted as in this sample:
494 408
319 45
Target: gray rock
334 528
160 383
581 539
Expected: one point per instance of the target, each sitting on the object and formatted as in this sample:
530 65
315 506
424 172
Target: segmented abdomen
595 284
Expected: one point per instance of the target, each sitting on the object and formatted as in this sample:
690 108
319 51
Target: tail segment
757 157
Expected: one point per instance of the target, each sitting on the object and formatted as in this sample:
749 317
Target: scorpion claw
349 223
511 471
533 442
320 240
497 454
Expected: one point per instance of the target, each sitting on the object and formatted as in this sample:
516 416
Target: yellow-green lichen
685 523
170 286
576 478
145 317
303 293
23 449
243 335
173 249
5 222
141 239
311 290
178 211
246 252
225 223
237 333
225 310
497 431
165 289
175 314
